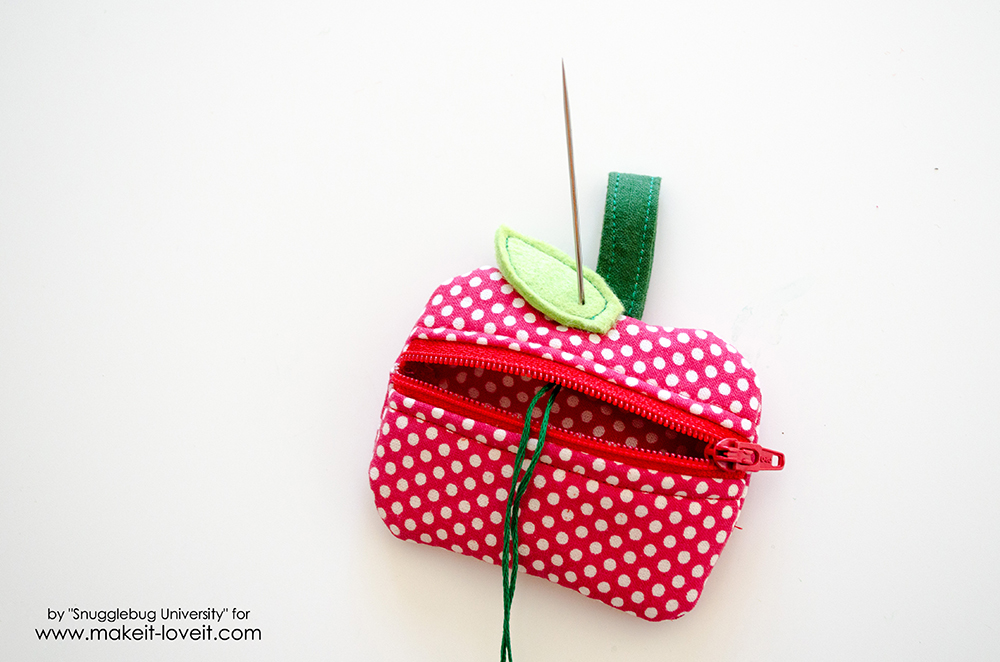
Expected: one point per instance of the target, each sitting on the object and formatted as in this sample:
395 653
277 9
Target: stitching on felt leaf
514 270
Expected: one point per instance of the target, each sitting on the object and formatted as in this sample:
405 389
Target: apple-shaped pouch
572 442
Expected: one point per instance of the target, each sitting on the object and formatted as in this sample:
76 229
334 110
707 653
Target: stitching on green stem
642 250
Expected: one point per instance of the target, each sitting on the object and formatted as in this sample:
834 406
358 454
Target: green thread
519 484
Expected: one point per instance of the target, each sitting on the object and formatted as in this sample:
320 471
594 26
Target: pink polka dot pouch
571 441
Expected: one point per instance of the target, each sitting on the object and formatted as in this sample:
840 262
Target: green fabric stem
626 256
519 484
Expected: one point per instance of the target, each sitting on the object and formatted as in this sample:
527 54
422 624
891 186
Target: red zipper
721 464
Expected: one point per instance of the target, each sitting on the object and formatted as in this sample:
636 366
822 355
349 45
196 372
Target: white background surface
218 223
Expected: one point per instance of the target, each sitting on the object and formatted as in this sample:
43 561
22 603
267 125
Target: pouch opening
573 411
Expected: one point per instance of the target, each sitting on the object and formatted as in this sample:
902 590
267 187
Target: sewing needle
572 186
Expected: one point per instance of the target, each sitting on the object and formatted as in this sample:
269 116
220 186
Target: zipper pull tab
736 455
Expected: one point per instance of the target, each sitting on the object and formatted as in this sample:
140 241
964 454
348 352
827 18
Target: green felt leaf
546 278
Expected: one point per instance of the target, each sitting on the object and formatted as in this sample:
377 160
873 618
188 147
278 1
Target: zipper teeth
582 388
